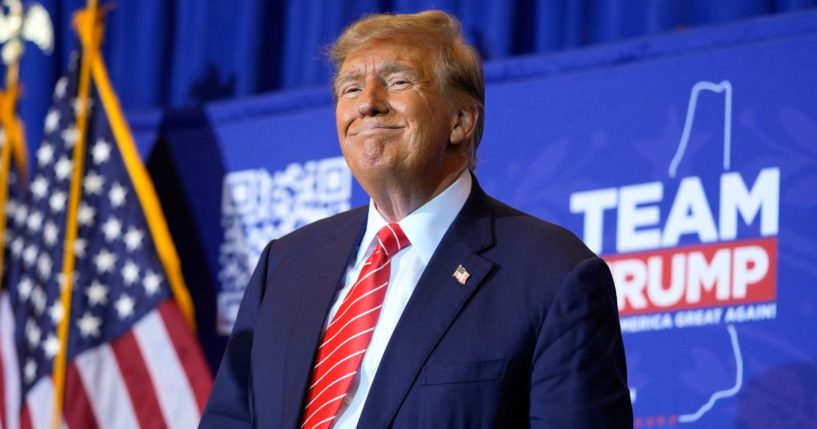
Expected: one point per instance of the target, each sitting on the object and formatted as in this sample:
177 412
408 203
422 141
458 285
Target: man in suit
435 305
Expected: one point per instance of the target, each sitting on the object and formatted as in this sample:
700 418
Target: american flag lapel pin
461 274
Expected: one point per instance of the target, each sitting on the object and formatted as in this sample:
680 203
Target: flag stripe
104 384
10 369
79 414
172 388
136 376
188 351
3 377
25 419
40 402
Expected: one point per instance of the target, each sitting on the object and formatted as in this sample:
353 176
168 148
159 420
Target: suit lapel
317 287
433 307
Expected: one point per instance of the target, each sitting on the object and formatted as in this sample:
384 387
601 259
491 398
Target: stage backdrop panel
688 162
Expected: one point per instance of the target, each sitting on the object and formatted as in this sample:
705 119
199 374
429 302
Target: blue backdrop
183 53
687 161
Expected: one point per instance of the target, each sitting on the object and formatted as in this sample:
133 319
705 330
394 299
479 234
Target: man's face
394 123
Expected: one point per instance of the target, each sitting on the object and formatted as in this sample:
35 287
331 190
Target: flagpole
87 26
11 123
5 164
8 105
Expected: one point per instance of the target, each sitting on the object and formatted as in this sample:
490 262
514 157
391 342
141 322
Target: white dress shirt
424 228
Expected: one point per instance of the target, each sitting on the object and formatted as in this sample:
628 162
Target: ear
464 124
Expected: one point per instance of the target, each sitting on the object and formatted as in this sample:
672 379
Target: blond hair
457 65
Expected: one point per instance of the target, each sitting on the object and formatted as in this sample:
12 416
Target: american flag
132 359
13 184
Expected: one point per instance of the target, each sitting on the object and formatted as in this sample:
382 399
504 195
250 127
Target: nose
373 100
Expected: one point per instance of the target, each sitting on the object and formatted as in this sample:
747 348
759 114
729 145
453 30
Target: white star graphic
97 293
33 332
30 370
60 87
39 187
50 233
38 300
63 168
104 261
79 247
117 194
44 265
55 312
93 183
57 202
11 207
70 136
152 282
130 273
124 306
30 255
52 121
89 325
51 346
112 229
24 288
85 214
101 151
17 247
133 239
45 154
35 221
20 215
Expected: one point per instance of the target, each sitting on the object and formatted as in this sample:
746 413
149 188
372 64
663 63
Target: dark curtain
169 54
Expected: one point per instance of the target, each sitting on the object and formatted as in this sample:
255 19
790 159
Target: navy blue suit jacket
531 340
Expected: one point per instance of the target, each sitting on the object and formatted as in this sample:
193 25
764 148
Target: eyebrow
388 68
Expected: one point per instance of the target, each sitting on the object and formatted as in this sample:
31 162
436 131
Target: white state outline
723 87
721 394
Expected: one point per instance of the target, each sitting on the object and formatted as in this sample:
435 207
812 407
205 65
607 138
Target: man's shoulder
520 231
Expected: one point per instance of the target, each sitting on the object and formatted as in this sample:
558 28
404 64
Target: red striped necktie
346 338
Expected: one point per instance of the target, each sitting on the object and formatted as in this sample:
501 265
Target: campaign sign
695 178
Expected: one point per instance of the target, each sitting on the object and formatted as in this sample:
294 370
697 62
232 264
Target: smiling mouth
376 129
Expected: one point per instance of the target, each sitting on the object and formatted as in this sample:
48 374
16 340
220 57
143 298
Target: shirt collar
426 225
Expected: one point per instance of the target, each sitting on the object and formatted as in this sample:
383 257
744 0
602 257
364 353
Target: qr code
258 206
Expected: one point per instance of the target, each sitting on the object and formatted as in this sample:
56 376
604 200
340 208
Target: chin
375 173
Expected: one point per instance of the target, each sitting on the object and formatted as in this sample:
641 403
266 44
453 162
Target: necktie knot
392 239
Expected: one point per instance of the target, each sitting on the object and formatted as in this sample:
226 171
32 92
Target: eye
348 91
399 83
